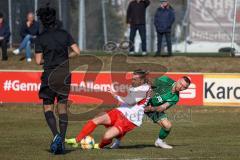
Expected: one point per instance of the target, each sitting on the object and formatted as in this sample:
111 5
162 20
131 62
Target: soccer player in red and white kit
123 119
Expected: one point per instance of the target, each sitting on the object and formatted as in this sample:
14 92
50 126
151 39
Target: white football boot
160 143
116 144
144 53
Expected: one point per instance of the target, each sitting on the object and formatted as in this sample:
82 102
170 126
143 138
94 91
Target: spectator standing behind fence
29 32
4 37
136 18
163 21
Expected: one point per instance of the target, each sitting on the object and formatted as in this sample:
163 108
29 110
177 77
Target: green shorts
156 116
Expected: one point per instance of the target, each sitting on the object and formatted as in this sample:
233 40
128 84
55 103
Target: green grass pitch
204 133
201 133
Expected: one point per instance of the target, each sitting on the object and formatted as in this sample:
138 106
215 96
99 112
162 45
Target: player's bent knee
48 108
62 108
107 136
111 133
102 119
98 120
166 124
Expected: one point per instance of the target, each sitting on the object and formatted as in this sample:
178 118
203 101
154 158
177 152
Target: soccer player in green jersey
165 95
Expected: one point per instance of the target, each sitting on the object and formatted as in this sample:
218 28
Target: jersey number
159 99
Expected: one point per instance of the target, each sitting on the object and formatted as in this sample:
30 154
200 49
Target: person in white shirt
123 119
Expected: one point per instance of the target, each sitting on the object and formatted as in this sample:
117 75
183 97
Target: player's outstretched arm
124 100
114 94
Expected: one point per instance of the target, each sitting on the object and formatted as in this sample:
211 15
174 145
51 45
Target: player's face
30 17
137 81
181 85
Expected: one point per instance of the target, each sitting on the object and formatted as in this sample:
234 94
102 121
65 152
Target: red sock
87 129
105 142
120 137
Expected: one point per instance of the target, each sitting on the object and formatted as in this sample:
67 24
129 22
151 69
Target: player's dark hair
143 74
187 79
47 16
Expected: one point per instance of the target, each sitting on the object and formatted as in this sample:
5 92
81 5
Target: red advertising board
19 87
90 88
193 96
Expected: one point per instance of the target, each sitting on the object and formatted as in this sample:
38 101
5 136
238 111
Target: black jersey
54 44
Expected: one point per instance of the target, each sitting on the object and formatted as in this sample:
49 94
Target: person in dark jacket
136 18
163 21
29 32
4 37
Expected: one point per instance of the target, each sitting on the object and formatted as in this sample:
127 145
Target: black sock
51 121
63 123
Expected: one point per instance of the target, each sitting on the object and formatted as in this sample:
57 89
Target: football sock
105 142
63 123
51 121
120 137
163 133
87 129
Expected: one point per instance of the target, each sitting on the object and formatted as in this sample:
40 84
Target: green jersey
163 92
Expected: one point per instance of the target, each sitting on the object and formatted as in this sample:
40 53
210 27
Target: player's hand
73 54
1 38
149 109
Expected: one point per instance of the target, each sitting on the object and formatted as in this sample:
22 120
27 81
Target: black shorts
54 85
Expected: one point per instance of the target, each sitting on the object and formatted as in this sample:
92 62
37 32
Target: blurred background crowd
184 26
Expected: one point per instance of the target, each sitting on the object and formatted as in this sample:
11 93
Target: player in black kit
51 50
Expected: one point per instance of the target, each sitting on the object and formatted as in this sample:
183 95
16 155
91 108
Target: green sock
163 133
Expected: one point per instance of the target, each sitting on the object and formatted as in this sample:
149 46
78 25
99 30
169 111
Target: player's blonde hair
143 74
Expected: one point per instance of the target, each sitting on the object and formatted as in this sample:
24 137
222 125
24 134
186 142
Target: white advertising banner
211 20
221 90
